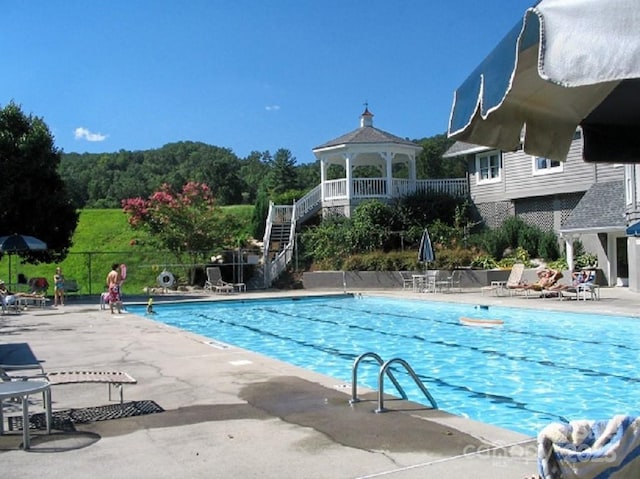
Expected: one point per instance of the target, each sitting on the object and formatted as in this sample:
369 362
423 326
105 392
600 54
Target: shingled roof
600 209
366 134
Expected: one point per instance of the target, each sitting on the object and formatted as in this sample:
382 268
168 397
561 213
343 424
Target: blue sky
241 74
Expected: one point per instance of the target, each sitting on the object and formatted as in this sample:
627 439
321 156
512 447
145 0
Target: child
150 306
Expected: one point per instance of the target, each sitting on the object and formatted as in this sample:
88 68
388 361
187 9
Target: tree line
103 180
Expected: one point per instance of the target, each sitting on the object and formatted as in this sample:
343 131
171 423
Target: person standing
113 287
58 287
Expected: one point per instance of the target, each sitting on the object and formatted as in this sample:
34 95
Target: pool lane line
504 329
491 352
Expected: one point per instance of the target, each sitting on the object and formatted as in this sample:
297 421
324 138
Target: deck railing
377 187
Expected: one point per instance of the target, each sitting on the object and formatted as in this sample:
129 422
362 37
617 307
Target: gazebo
371 163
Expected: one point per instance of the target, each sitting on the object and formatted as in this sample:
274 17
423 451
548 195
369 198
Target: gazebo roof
366 134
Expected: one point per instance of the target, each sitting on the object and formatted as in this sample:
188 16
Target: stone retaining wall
343 280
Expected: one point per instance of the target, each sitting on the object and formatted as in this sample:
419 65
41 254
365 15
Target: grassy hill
103 237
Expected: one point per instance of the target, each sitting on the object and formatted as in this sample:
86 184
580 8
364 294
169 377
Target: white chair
215 283
407 279
455 280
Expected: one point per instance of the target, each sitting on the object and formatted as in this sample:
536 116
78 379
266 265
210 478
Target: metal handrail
354 376
384 369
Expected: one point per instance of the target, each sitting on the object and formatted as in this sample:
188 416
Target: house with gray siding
546 194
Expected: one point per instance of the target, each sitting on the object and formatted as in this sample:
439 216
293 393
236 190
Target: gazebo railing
377 187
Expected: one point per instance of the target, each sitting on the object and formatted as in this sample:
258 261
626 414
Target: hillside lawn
103 237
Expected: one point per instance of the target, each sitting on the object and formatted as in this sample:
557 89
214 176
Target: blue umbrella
426 253
564 64
16 243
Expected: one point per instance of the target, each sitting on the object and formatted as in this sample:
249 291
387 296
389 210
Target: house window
543 166
488 167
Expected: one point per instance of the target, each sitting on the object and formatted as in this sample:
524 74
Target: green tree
430 164
283 175
370 226
253 171
35 198
187 223
260 212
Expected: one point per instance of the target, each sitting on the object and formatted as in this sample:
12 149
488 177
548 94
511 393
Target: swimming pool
538 367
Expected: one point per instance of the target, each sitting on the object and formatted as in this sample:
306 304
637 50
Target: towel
590 449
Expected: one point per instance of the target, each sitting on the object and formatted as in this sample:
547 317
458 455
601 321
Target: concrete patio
228 412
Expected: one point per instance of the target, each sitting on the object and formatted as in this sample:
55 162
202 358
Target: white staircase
280 232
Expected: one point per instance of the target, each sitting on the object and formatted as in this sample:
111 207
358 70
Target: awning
567 63
634 230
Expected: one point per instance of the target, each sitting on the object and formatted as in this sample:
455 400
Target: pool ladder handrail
354 376
384 369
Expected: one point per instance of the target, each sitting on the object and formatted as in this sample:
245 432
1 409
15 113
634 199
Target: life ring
123 271
482 323
166 279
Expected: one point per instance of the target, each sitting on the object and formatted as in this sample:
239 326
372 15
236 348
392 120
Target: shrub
548 248
529 238
370 226
494 242
484 262
452 258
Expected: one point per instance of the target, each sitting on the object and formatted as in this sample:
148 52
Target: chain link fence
85 272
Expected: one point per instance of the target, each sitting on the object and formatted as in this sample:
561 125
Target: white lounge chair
215 283
513 284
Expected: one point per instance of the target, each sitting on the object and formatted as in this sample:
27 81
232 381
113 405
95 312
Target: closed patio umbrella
565 64
16 243
426 254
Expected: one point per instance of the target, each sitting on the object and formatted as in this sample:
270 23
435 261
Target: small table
22 390
498 287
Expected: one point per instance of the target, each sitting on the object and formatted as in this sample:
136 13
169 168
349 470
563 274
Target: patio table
22 390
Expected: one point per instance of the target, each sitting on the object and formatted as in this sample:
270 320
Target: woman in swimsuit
58 288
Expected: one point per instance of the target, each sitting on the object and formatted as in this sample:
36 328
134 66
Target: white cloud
272 107
81 133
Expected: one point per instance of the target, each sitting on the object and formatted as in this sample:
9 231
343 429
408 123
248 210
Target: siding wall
544 200
518 180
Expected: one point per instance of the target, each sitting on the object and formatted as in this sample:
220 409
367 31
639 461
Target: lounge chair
18 362
214 282
583 287
513 284
547 279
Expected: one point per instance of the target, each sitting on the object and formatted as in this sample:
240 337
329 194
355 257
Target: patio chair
215 283
455 280
443 281
406 278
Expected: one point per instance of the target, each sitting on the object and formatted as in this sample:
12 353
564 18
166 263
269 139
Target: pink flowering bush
187 222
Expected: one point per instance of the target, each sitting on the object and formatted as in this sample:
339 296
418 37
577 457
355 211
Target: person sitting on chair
8 298
546 279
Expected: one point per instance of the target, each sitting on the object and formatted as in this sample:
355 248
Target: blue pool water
538 367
